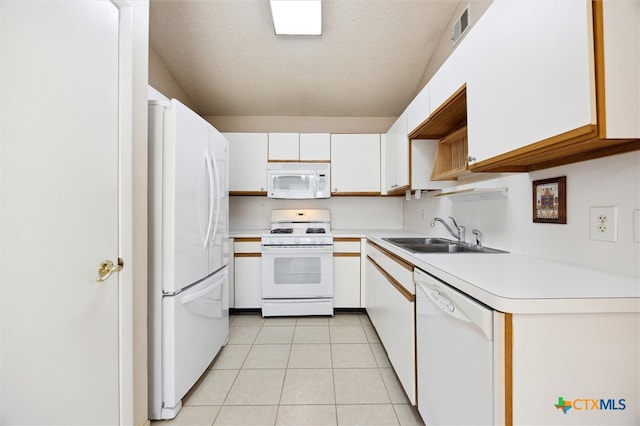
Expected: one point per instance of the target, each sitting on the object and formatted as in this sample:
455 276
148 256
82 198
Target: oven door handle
298 249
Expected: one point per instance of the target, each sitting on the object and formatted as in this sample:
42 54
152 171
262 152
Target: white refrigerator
188 247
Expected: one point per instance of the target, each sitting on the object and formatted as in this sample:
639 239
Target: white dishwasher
455 348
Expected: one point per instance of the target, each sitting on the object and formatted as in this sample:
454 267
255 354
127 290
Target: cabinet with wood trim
303 147
247 163
284 146
396 158
551 83
390 298
419 109
355 164
346 272
247 273
423 155
446 114
598 356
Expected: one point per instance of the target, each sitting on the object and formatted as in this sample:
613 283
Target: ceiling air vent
460 26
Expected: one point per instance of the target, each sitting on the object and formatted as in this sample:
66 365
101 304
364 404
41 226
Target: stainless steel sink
438 245
418 241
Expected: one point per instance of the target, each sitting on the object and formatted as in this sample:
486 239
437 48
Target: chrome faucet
478 235
458 233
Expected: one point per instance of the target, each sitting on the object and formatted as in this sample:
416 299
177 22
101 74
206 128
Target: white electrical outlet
603 224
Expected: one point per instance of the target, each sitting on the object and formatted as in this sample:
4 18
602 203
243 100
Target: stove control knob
296 240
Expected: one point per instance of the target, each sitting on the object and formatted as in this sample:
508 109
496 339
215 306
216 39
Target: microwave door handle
315 180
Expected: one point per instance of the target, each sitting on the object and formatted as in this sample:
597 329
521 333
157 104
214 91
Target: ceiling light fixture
297 17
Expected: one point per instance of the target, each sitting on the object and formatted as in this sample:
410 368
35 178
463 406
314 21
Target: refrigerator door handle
214 286
210 172
216 176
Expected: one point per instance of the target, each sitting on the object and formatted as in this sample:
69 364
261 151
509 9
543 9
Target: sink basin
448 248
418 241
438 245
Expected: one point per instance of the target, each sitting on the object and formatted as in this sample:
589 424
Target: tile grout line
235 379
263 325
286 371
333 375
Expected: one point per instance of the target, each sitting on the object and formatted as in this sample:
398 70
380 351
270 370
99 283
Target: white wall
251 213
507 223
162 80
445 45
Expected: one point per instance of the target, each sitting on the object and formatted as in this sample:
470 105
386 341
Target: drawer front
399 269
247 245
346 245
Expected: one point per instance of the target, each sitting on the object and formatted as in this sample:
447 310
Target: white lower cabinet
573 369
247 273
390 297
346 272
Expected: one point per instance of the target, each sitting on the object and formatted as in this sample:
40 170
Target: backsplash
507 223
247 213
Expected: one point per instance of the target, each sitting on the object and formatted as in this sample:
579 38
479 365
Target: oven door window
297 273
297 270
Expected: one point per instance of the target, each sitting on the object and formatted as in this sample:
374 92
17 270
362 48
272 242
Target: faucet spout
458 233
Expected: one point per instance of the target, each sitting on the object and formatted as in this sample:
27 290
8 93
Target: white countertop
248 233
513 283
517 283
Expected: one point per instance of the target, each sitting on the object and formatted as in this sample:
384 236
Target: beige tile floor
298 371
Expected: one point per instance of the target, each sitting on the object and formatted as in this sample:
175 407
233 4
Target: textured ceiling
368 62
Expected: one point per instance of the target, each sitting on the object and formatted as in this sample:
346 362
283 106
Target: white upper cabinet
621 39
530 74
450 77
388 162
315 147
553 82
355 164
284 146
299 147
396 157
419 109
247 162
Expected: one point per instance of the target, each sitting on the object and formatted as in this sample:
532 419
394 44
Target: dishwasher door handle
471 311
442 302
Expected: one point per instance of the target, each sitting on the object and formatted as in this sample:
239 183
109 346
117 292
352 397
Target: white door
59 141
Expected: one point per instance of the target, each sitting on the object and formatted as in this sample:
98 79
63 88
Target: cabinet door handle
471 159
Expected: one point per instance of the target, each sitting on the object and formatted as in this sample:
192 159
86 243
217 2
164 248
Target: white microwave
299 180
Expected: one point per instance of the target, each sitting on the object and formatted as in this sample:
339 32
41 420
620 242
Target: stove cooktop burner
282 231
316 231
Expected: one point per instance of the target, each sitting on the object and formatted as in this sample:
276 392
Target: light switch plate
603 223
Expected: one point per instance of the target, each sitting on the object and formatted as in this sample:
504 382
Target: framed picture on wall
550 200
